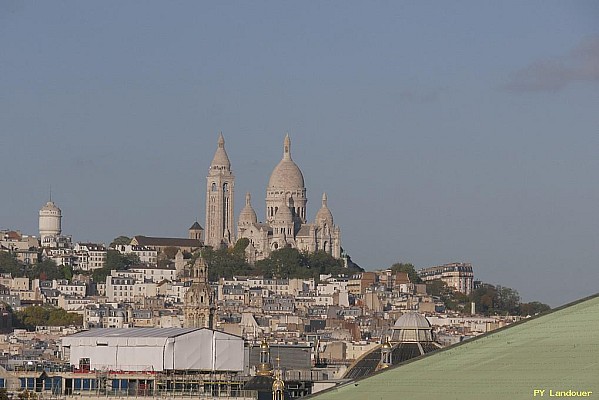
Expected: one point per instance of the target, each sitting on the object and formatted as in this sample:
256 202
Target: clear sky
441 131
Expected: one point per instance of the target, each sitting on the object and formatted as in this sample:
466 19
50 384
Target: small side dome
283 214
248 214
324 214
412 320
412 327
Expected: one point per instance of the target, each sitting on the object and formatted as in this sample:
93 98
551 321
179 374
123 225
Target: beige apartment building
456 275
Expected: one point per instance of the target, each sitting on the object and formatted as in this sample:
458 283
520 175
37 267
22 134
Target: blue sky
441 132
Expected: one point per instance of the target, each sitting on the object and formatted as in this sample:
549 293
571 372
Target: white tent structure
156 349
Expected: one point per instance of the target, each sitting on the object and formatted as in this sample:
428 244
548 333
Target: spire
220 162
248 199
287 148
324 199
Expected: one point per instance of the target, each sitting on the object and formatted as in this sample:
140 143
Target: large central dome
286 175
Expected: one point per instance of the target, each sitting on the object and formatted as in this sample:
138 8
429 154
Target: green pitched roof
556 351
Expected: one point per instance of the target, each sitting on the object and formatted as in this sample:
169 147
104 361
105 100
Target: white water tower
50 221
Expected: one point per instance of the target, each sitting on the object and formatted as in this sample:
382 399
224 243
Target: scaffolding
119 384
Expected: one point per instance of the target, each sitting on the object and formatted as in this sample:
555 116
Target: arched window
214 189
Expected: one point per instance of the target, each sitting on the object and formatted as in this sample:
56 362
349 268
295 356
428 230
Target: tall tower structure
286 186
220 184
50 218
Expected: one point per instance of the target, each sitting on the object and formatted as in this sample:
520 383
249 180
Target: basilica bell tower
220 184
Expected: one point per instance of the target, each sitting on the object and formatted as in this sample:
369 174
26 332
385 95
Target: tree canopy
48 270
409 269
283 263
533 308
9 264
33 316
44 270
120 240
501 300
114 261
291 263
226 263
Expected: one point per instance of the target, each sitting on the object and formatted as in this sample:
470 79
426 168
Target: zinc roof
557 351
134 332
161 241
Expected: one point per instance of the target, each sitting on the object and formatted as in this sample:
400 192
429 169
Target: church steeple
198 308
219 199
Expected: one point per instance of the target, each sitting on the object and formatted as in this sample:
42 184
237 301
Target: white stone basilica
286 222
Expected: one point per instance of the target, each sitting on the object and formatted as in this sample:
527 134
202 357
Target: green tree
452 299
114 261
9 264
484 298
67 272
33 316
407 268
60 317
496 300
224 263
4 394
121 240
291 263
321 262
117 261
99 275
283 263
437 288
507 301
48 270
240 246
533 308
